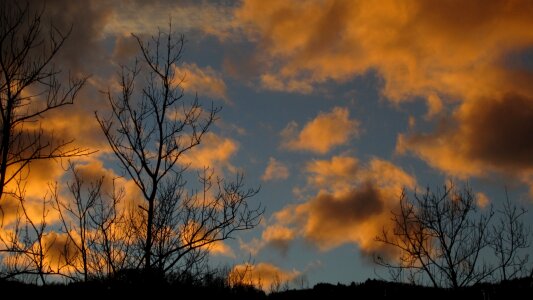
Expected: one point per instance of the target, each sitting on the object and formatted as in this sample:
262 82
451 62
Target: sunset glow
331 108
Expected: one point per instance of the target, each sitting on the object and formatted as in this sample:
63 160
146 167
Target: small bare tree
96 224
75 217
32 251
440 237
29 87
509 240
150 129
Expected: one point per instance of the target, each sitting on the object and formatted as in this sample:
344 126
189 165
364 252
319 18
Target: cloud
482 200
418 49
272 82
262 275
214 151
59 251
325 132
186 16
83 51
481 136
197 236
220 248
337 172
274 236
352 211
465 61
202 81
275 170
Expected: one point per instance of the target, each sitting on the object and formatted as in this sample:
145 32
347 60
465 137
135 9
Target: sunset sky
330 106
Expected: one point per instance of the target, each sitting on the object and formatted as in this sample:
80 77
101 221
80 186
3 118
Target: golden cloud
482 200
275 236
275 170
262 275
274 83
320 135
202 81
462 58
214 151
194 235
336 173
482 136
420 49
352 211
59 251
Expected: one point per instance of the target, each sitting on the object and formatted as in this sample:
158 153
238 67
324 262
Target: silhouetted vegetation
370 289
442 238
150 126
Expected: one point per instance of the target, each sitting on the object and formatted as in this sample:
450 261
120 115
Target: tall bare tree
440 236
29 87
149 130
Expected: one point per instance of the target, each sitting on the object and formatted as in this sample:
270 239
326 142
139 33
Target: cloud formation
202 81
481 136
352 205
482 200
275 170
214 151
325 132
274 236
262 275
464 59
419 49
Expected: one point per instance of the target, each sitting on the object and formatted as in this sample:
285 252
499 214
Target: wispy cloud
275 170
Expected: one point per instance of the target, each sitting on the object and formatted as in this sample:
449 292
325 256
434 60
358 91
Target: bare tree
112 242
75 216
29 87
440 237
150 129
96 224
32 251
509 240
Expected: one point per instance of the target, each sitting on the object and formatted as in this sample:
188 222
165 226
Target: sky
332 107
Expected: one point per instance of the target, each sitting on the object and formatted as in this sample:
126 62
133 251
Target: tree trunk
148 246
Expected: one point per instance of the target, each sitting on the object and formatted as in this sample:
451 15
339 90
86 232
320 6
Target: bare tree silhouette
29 87
439 235
31 249
149 132
510 240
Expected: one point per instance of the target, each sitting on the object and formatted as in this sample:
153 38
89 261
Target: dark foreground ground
371 289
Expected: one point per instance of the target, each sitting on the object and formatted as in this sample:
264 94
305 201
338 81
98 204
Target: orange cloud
326 131
59 251
262 275
275 236
482 200
274 83
353 203
482 136
202 81
275 170
464 59
214 151
337 172
418 48
194 235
